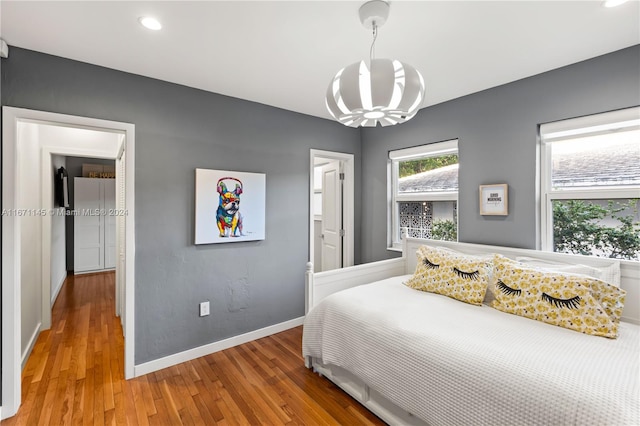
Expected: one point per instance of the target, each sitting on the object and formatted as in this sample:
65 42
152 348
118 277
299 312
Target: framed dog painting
230 206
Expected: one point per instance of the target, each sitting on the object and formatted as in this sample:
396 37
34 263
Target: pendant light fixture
386 91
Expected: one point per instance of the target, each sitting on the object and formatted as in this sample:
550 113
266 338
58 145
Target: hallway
76 366
74 376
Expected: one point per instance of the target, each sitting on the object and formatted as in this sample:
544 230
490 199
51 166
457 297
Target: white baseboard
188 355
58 287
93 271
29 348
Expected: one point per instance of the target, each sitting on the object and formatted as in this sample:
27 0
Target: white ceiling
284 53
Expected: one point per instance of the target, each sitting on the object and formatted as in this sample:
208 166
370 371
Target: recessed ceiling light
150 23
613 3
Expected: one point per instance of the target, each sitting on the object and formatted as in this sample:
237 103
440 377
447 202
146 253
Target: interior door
331 216
88 225
110 223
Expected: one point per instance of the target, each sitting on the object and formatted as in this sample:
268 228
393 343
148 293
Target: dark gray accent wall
74 169
251 284
498 141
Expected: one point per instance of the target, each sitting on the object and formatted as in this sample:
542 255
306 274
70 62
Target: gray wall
74 169
497 132
251 284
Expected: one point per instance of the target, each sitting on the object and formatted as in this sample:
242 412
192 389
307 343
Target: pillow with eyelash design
462 277
608 295
572 301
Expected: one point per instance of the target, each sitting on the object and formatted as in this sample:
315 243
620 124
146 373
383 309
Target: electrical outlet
204 309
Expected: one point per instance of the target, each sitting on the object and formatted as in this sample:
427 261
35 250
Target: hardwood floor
75 376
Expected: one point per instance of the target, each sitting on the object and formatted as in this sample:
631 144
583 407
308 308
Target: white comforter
449 362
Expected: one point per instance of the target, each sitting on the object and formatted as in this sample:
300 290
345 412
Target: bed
414 357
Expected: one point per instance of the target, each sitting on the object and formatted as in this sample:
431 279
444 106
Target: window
590 185
424 192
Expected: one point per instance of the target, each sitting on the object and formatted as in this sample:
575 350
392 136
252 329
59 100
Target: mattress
448 362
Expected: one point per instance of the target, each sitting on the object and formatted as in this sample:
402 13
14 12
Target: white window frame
569 129
436 149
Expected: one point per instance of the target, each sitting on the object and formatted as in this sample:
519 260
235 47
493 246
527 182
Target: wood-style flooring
75 376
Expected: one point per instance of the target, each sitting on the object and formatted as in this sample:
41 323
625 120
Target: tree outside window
590 173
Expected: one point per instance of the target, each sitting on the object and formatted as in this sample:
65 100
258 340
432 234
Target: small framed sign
494 199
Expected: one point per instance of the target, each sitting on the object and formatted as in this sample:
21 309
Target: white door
88 225
331 217
110 223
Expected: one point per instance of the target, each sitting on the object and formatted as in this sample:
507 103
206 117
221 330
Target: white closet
94 234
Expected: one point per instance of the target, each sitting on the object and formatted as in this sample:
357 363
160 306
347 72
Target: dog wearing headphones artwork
228 217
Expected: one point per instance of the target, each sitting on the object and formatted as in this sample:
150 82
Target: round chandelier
387 91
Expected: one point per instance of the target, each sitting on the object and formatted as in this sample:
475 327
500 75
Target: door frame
348 205
11 299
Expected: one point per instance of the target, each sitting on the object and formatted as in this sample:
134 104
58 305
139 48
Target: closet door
110 223
88 234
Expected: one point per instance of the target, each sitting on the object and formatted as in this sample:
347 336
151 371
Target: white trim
393 197
392 217
348 205
11 309
95 271
11 315
596 123
430 150
200 351
58 287
32 343
427 196
550 133
597 193
546 214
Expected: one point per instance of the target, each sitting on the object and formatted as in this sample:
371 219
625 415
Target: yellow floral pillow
566 300
462 277
609 296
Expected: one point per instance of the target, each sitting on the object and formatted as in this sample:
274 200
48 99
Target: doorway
27 138
331 195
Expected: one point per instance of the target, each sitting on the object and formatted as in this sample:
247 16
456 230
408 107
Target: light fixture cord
372 49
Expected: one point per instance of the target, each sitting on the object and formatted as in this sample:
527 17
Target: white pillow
609 274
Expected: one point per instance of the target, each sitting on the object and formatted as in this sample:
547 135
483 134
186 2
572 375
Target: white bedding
448 362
